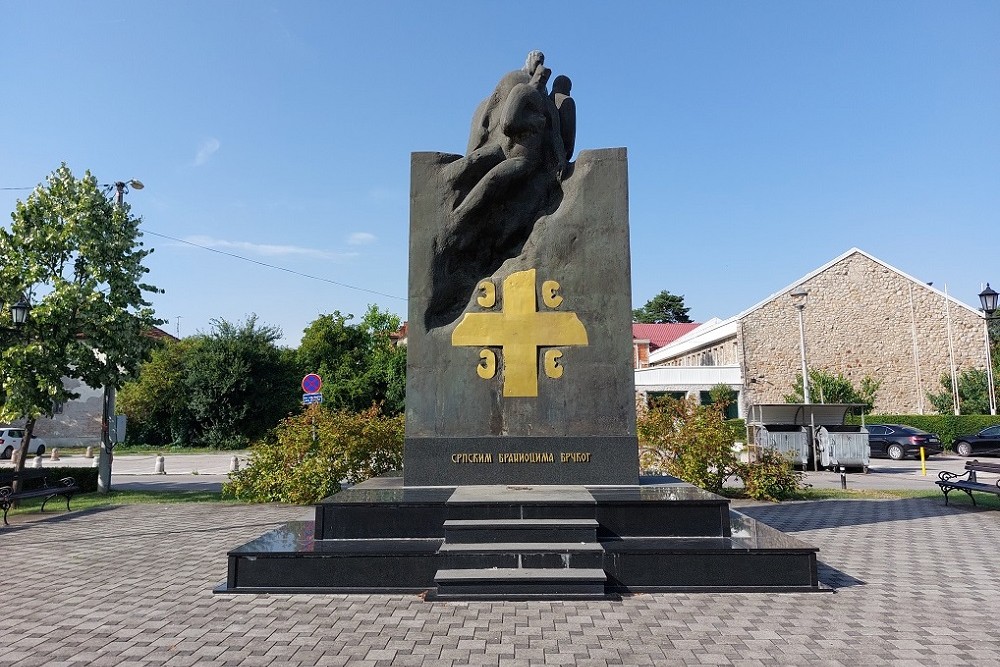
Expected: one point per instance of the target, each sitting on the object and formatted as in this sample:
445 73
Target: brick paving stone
913 584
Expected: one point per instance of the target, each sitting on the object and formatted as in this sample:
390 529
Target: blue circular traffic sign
312 383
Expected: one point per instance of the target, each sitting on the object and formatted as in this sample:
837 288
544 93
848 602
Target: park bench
34 484
966 481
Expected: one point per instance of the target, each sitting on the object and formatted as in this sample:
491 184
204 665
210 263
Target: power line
17 188
274 266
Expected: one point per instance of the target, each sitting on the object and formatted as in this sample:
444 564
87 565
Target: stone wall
79 422
719 353
861 318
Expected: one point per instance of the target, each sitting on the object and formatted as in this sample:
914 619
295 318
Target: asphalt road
207 472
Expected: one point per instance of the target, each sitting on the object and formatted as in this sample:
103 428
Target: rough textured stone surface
859 321
584 246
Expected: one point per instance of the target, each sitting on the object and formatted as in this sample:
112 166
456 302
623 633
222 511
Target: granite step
522 555
483 531
523 583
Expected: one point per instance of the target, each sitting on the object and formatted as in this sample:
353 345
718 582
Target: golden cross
519 329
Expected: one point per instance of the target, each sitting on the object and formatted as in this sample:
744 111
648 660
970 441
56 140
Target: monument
520 475
519 364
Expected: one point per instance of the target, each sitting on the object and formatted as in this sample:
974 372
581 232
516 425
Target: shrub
772 477
946 426
689 441
85 478
311 453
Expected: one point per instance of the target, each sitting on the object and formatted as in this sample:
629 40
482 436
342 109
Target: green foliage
664 308
689 441
771 477
156 402
238 384
722 395
973 394
85 478
826 387
78 257
314 451
358 362
946 426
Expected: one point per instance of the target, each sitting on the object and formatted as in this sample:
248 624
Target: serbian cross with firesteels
519 329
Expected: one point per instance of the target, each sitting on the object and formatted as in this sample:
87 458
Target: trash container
788 439
843 446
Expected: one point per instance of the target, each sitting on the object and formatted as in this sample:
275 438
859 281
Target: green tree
78 257
826 387
358 362
973 394
239 384
664 308
156 402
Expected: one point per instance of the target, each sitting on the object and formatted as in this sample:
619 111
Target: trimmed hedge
948 427
86 478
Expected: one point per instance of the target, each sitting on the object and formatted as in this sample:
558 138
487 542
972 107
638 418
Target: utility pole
106 455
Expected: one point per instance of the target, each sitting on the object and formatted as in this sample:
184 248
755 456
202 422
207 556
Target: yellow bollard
923 462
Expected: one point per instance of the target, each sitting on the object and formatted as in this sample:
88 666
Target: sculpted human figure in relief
509 179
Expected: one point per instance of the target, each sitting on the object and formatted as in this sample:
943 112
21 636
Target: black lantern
19 311
988 300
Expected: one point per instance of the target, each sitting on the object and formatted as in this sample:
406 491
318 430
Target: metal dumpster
788 439
843 446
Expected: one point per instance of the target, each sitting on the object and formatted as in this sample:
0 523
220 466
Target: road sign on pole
312 398
312 383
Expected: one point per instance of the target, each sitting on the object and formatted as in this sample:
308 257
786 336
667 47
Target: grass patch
84 501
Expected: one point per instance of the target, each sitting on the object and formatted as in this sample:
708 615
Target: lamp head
19 311
988 300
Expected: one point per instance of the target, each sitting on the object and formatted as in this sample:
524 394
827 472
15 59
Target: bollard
37 463
90 453
843 478
15 458
54 456
159 468
234 464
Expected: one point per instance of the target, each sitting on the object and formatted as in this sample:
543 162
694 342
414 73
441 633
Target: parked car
986 441
897 441
10 442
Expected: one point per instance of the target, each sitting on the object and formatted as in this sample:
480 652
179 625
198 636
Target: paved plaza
914 583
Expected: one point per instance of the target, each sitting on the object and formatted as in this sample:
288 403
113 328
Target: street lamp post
106 455
988 300
19 315
800 296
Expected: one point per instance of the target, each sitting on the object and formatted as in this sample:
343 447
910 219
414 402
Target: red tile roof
659 335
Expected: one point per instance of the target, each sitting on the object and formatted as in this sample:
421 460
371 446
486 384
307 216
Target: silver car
10 442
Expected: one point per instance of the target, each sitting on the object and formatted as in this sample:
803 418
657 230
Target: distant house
78 422
647 338
862 317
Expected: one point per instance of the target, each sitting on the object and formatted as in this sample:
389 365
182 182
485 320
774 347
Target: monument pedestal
523 542
521 457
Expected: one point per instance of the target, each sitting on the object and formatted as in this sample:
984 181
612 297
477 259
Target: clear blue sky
764 138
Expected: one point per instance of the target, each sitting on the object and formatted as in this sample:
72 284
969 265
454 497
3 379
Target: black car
898 441
986 441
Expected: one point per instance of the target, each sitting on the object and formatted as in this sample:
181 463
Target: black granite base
521 542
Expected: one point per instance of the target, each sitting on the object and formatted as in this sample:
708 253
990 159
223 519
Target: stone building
78 422
862 317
